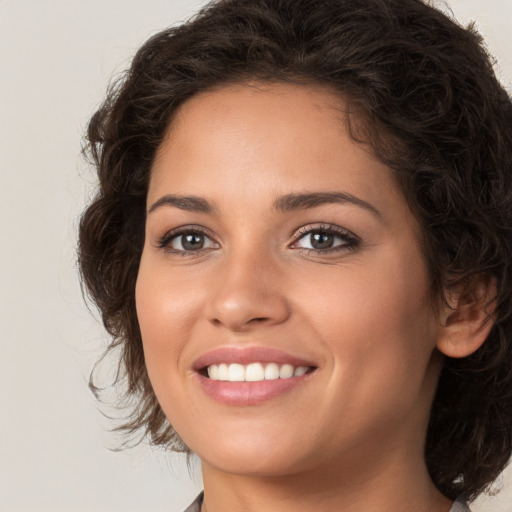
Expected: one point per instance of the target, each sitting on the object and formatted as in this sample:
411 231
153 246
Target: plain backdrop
56 58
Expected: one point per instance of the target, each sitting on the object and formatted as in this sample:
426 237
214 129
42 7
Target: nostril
239 310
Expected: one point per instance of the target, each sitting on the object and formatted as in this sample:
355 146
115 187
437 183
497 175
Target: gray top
458 506
196 506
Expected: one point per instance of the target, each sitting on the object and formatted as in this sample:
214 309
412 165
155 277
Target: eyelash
165 241
350 241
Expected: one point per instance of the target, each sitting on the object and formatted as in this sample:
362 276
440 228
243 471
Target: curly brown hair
432 110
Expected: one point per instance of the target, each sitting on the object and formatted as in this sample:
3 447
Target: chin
255 457
254 464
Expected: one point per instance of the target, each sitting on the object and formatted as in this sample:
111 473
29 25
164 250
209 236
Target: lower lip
249 393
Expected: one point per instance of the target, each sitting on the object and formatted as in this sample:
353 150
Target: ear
468 317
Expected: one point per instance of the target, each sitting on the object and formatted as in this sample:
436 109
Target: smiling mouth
254 372
250 376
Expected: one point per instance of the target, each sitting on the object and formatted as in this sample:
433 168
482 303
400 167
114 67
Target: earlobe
468 318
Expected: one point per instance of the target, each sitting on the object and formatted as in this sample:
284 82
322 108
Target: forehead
240 142
265 118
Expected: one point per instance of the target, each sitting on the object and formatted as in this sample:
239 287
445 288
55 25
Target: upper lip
247 355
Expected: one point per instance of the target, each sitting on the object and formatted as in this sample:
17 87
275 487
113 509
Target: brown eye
186 241
321 240
325 239
190 242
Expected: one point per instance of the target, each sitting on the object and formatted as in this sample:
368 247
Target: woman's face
277 245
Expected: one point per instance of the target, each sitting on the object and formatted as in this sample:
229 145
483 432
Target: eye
186 241
322 239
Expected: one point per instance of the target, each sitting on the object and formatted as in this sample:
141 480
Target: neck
383 485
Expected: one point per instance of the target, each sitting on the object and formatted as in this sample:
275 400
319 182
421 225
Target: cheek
166 311
376 299
375 320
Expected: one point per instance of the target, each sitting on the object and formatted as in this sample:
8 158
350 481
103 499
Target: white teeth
299 371
236 373
286 371
254 372
271 371
213 372
223 372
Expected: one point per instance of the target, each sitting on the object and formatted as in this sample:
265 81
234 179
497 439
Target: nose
247 293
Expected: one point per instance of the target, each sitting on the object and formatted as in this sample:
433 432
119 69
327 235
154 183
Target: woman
301 242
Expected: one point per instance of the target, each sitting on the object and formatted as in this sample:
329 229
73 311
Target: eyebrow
188 203
286 203
291 202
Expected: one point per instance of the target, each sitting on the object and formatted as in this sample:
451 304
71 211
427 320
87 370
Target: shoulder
196 505
458 506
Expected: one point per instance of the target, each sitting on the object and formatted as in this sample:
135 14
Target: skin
351 437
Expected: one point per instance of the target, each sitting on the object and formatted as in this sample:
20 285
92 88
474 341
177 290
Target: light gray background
56 57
